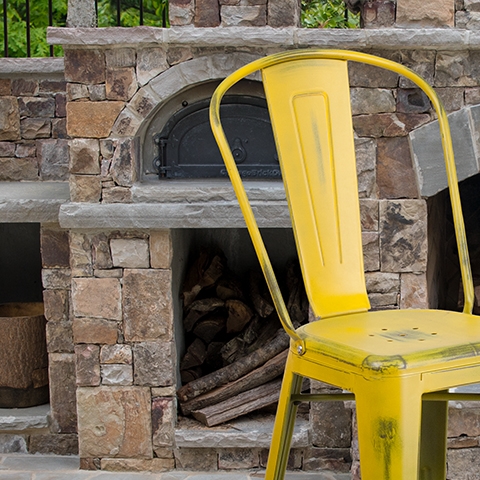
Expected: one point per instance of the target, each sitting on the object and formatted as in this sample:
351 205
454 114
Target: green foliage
154 11
17 32
327 14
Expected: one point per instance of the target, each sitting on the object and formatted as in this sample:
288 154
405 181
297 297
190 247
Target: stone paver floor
51 467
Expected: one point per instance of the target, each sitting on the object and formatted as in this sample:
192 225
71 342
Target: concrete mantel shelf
39 202
390 38
182 204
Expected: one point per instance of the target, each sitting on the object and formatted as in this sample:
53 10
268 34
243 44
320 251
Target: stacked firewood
236 348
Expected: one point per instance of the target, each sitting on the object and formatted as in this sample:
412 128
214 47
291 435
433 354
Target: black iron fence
25 21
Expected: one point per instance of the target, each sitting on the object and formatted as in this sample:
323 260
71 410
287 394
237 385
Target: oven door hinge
160 161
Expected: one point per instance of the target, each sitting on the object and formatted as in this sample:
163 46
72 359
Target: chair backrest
308 98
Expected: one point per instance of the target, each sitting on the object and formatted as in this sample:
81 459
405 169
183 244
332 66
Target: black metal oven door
186 147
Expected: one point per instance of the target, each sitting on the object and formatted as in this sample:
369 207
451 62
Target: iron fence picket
117 5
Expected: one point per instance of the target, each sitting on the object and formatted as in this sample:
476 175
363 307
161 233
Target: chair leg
389 422
284 425
433 446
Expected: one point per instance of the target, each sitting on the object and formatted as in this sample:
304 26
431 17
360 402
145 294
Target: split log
267 372
195 355
235 348
261 299
229 287
198 309
208 328
239 314
235 370
295 302
241 404
206 270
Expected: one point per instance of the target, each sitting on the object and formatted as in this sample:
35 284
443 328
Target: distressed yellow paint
389 359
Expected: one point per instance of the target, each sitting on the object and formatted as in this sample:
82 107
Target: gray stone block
428 154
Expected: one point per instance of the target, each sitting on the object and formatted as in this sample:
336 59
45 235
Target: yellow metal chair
397 364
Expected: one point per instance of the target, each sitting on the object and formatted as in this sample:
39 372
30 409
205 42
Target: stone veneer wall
108 266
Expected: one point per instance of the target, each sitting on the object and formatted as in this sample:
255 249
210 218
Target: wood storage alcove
233 347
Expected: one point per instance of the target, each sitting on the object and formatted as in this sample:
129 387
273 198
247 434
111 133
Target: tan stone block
80 254
154 363
462 442
120 57
147 305
59 337
150 63
200 459
138 465
9 119
116 354
164 391
121 83
5 87
464 420
92 119
413 291
369 214
427 13
117 195
76 91
463 463
116 374
124 168
336 459
403 236
84 156
56 278
115 422
101 256
94 330
87 365
380 282
161 249
371 251
238 458
130 252
85 188
366 154
18 169
97 298
55 304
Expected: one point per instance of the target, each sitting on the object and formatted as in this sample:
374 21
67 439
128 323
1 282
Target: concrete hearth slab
245 432
20 419
32 201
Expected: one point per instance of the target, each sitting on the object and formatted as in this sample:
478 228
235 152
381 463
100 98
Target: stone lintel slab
31 66
388 38
240 433
174 215
38 202
428 154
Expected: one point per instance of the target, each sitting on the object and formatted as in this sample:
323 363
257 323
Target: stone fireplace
116 240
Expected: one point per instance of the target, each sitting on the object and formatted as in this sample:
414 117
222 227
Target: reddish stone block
22 86
84 66
395 176
63 403
55 248
207 13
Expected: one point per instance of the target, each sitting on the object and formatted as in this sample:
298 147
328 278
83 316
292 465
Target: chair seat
397 340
